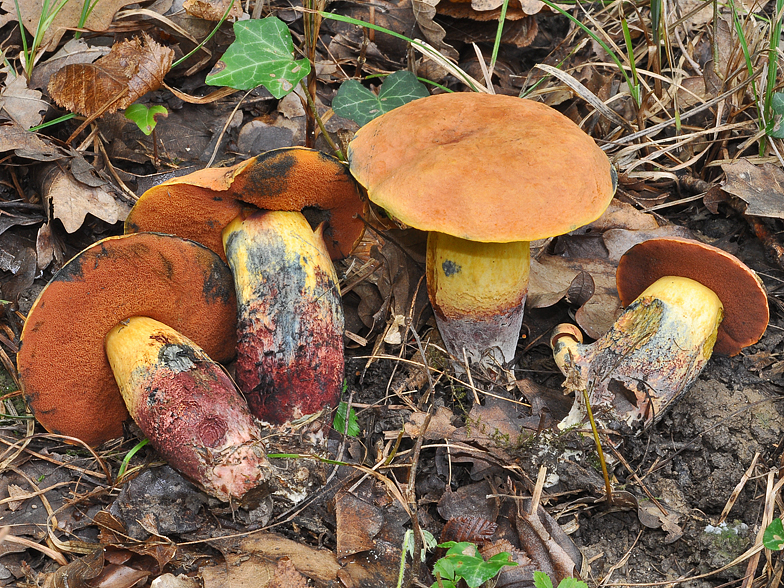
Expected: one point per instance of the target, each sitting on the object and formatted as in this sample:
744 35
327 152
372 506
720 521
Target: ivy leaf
262 54
355 102
773 538
775 126
145 117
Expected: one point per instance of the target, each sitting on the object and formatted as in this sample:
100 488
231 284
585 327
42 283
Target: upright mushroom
290 353
152 302
684 299
484 175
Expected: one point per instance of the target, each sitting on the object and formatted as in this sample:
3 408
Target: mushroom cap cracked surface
737 286
62 363
481 167
197 206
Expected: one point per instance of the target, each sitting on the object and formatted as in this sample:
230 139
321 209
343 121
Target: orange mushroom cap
737 286
482 167
62 363
197 206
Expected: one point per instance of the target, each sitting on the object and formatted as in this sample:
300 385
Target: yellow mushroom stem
188 407
648 358
478 292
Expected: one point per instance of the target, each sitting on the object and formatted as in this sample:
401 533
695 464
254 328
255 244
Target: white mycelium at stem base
650 356
478 293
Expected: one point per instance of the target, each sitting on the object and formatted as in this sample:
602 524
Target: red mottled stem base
290 317
188 408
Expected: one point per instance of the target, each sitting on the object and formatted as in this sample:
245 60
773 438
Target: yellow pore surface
697 306
473 278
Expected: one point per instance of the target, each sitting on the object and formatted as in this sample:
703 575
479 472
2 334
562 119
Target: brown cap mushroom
472 169
199 205
737 286
62 363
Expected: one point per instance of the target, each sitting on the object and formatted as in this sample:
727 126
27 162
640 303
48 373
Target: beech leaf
130 70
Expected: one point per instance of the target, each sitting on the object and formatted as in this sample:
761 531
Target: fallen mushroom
139 292
197 206
290 317
484 175
684 299
294 365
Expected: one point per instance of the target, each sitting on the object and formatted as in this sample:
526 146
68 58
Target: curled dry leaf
760 187
130 70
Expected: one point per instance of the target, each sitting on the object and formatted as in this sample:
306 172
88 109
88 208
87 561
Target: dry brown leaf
74 51
130 70
21 103
71 200
15 138
69 16
13 492
424 13
213 11
760 187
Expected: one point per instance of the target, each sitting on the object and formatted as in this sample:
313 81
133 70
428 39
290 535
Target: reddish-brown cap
62 363
482 167
737 286
197 206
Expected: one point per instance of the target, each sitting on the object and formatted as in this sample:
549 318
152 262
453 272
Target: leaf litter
697 123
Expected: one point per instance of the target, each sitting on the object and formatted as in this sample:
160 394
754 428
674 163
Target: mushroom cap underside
62 362
199 205
737 286
482 167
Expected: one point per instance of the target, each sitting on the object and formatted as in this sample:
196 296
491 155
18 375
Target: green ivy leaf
775 126
145 117
356 102
339 422
773 538
262 54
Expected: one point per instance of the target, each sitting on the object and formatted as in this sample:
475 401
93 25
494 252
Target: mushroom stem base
478 293
188 407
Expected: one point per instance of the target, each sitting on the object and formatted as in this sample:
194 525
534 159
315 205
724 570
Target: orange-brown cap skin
483 168
737 286
198 206
297 178
62 363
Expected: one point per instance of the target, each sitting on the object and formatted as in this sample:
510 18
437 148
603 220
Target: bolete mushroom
290 353
199 205
144 299
484 175
684 299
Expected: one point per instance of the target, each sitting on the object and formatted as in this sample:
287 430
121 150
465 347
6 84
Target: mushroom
484 175
199 205
290 318
294 363
144 299
684 299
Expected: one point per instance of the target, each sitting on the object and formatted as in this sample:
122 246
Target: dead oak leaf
130 70
22 104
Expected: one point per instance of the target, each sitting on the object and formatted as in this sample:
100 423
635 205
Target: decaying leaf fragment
130 70
213 10
760 187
